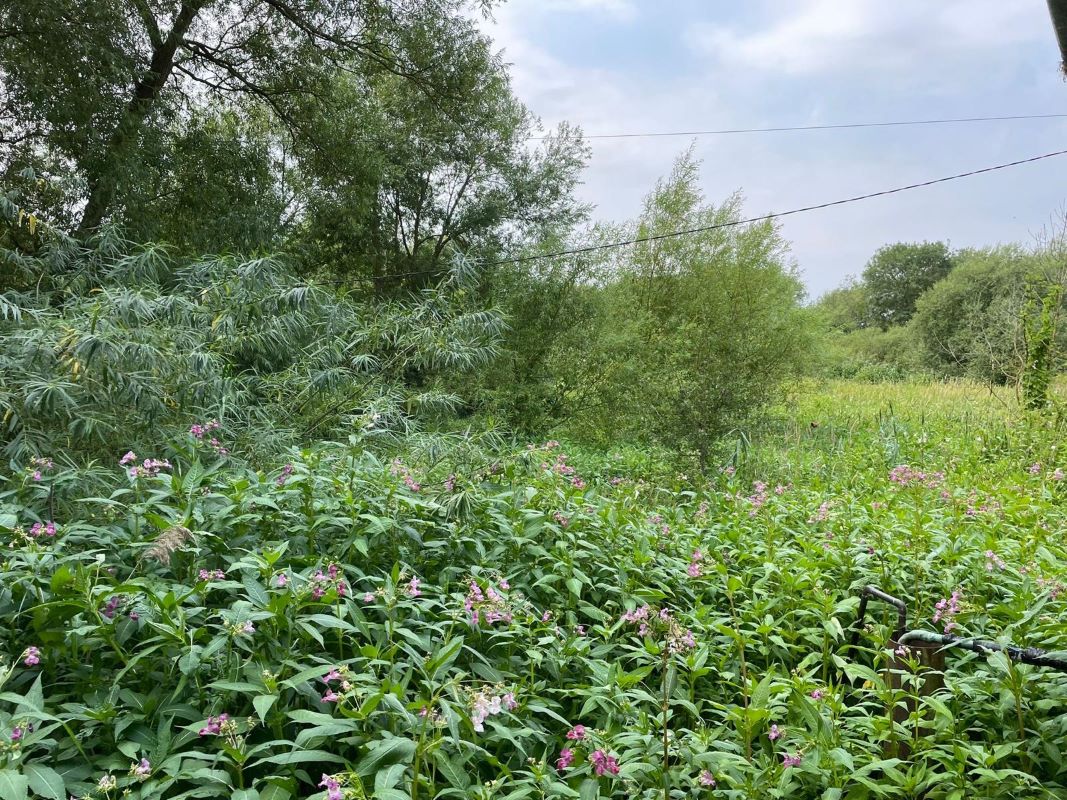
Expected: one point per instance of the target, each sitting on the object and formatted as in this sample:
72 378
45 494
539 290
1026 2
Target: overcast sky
620 66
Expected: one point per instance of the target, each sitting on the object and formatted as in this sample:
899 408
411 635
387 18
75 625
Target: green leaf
263 704
45 781
13 785
245 794
388 778
300 757
381 753
452 770
590 789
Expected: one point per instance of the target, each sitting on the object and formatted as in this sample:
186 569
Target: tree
699 331
846 308
973 322
93 87
898 274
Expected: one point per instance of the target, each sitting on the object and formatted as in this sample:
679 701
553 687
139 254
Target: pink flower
144 769
287 470
129 458
707 779
774 733
566 756
332 787
818 694
330 696
509 701
693 570
16 733
368 597
413 587
1057 475
332 675
546 616
790 760
580 630
31 656
504 584
1035 468
213 726
282 580
577 733
603 763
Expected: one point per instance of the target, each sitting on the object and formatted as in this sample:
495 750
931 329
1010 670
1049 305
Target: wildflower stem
665 706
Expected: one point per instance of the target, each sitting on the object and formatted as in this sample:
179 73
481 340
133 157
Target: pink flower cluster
560 465
413 587
31 656
141 770
676 638
946 610
562 520
489 606
323 582
707 779
332 787
398 468
48 529
993 560
212 575
287 470
148 468
487 703
693 570
338 675
199 431
112 606
822 515
791 760
214 725
38 466
758 498
603 763
904 476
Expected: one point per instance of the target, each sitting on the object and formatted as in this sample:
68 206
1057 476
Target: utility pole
1058 10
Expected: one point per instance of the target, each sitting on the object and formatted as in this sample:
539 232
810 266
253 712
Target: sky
638 66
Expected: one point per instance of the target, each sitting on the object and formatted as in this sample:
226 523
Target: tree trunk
103 179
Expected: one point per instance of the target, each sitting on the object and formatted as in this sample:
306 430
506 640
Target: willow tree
92 88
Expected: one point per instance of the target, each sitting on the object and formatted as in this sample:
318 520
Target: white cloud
866 36
820 60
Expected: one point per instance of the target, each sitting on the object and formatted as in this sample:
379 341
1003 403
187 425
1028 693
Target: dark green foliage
1039 332
898 274
115 345
971 323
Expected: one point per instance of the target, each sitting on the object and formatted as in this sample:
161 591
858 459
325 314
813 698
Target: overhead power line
829 127
765 217
730 224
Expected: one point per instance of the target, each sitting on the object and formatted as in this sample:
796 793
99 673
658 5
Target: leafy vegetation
286 288
428 629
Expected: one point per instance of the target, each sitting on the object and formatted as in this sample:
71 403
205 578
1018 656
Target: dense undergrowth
555 623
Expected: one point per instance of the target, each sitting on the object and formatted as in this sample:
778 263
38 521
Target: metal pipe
1025 655
866 593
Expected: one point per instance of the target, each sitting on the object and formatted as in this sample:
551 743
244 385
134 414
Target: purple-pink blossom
774 733
791 760
31 656
707 779
566 756
577 733
213 726
603 763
